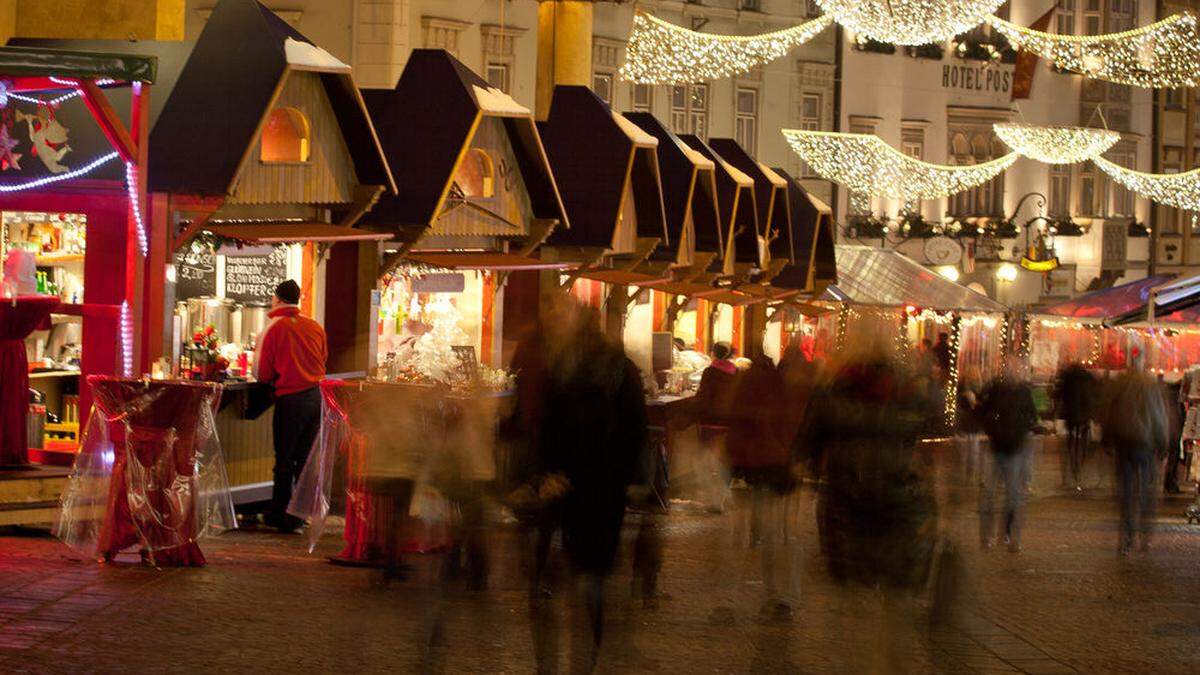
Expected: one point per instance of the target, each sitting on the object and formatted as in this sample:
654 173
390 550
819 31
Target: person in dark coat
1075 395
1135 426
1008 416
711 411
583 410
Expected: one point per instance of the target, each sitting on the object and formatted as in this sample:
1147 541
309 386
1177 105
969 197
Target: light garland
1056 145
131 189
909 22
866 165
1181 190
660 52
951 390
1162 54
59 177
126 339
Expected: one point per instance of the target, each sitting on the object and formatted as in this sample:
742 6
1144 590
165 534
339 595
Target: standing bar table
150 472
19 317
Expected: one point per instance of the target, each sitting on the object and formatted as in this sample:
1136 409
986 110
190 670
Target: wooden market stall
608 170
472 209
72 204
264 159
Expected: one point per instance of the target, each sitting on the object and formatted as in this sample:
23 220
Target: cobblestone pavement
1066 604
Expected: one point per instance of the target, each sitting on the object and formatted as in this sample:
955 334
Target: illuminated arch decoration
909 22
867 166
1181 190
659 52
1162 54
286 137
476 176
1056 145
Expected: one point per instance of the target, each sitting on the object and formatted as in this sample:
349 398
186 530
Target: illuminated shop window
285 138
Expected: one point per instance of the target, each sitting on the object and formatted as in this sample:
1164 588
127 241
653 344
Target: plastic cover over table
149 473
373 432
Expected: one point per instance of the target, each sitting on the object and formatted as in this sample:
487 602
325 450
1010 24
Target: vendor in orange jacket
291 357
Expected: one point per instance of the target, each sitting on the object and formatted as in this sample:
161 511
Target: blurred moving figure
585 414
876 511
1008 417
1075 395
760 453
711 409
970 426
1135 427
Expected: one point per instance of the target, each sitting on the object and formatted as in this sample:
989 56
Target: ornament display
868 166
659 52
48 136
1162 54
1181 190
909 22
1056 145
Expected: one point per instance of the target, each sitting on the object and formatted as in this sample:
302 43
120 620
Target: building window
689 110
602 84
1093 192
285 138
1060 190
1064 18
1092 19
476 176
498 77
746 119
1122 197
499 55
810 120
986 199
643 98
750 5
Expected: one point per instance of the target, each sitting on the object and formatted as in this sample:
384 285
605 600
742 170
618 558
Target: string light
1056 145
909 22
1181 190
131 188
126 339
1162 54
867 165
951 392
59 177
660 52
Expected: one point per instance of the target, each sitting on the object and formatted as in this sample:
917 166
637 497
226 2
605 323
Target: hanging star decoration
1162 54
8 158
1181 190
869 167
909 22
660 52
1056 145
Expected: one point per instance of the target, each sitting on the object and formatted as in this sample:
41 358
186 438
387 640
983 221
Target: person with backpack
1008 415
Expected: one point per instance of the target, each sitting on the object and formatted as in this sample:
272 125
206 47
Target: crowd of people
582 464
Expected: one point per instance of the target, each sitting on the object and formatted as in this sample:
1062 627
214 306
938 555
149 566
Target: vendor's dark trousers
1077 448
296 423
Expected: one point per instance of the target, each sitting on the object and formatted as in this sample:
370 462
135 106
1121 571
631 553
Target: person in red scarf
291 357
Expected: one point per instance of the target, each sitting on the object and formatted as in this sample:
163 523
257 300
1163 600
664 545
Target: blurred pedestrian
1135 427
590 430
1008 416
711 409
760 453
970 427
876 511
1075 396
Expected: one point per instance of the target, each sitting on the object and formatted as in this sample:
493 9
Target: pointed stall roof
226 90
427 124
737 203
812 234
770 196
689 192
598 157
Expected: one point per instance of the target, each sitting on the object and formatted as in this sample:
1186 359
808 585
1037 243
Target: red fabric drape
18 318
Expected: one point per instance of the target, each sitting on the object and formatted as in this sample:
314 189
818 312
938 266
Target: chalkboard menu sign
195 274
251 279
